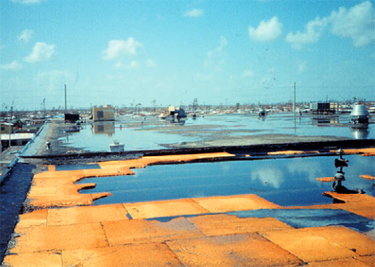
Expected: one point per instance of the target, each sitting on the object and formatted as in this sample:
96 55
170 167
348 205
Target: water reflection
274 183
104 128
325 120
262 118
339 177
177 120
285 182
360 131
307 169
271 176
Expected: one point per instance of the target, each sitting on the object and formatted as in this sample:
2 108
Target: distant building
323 108
16 139
359 114
176 112
101 113
6 127
71 117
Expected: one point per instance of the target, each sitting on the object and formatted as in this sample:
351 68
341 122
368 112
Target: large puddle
287 182
150 133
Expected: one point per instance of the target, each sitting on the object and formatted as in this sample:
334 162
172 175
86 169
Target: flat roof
17 136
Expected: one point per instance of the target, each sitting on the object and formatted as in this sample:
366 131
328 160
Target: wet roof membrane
72 167
300 218
13 192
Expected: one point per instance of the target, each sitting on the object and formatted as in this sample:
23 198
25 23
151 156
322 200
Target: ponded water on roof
286 182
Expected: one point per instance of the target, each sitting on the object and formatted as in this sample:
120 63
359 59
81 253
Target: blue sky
169 52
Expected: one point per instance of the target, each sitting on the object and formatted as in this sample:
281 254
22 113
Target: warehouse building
101 113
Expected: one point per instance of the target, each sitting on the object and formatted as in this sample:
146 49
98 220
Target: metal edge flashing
15 160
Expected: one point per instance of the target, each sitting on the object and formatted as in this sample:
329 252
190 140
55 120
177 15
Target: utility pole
10 122
65 97
294 99
10 140
44 108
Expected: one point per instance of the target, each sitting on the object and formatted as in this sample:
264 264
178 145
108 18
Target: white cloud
41 52
28 1
357 23
247 73
151 63
119 65
302 67
215 60
25 36
134 64
205 77
131 65
194 13
218 50
118 48
13 66
54 79
312 33
271 70
266 30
